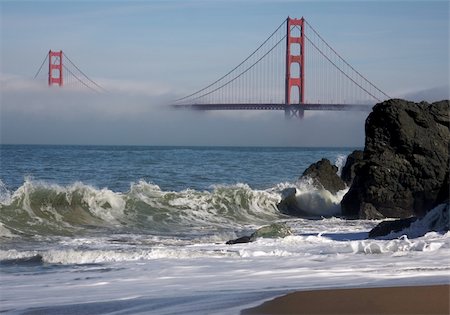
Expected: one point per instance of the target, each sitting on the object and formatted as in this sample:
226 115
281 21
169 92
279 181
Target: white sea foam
5 194
427 244
140 248
103 203
437 219
318 201
5 232
323 253
340 162
14 254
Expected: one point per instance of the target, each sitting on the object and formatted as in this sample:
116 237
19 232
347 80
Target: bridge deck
338 107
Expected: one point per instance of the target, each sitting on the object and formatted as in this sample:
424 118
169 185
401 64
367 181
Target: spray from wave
49 209
40 208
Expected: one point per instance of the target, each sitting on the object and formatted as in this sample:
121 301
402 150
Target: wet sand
390 300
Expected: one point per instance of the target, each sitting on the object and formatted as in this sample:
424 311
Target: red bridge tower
55 66
299 59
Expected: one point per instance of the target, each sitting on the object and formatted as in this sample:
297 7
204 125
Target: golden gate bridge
294 69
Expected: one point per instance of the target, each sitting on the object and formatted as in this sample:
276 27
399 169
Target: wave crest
41 208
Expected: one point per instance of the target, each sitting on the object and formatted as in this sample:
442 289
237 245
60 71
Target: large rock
348 171
323 173
405 166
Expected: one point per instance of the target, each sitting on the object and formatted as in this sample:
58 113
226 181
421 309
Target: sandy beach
390 300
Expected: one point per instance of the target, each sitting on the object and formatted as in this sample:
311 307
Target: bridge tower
55 65
295 110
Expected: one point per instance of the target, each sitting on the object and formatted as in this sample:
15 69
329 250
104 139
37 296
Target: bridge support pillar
299 59
55 65
295 81
294 111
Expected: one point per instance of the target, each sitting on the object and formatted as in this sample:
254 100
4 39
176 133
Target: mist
58 116
139 114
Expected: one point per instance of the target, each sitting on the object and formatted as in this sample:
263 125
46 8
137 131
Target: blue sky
193 42
175 47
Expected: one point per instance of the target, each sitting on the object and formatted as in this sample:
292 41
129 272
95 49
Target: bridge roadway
268 106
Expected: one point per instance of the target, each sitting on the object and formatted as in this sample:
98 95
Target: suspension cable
201 90
323 54
345 60
40 68
243 72
100 87
81 81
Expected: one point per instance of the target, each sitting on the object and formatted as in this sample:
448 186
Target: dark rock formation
443 195
324 175
348 171
288 204
435 220
386 227
276 230
240 240
405 166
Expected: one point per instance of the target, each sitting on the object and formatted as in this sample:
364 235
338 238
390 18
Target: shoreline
427 299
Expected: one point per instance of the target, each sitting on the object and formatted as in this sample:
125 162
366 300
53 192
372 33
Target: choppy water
98 229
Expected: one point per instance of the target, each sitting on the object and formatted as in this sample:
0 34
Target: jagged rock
275 230
405 162
288 204
323 173
436 220
348 171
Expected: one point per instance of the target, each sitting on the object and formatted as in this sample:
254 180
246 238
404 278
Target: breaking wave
38 208
41 208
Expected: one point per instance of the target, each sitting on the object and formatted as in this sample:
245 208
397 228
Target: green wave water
39 208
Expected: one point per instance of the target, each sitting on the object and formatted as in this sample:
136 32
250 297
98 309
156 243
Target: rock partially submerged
405 166
324 175
393 226
315 196
437 220
275 230
288 204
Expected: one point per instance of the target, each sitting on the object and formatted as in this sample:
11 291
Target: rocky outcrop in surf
436 220
405 166
275 230
324 175
318 193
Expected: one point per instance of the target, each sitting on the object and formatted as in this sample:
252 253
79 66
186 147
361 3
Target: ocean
142 230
